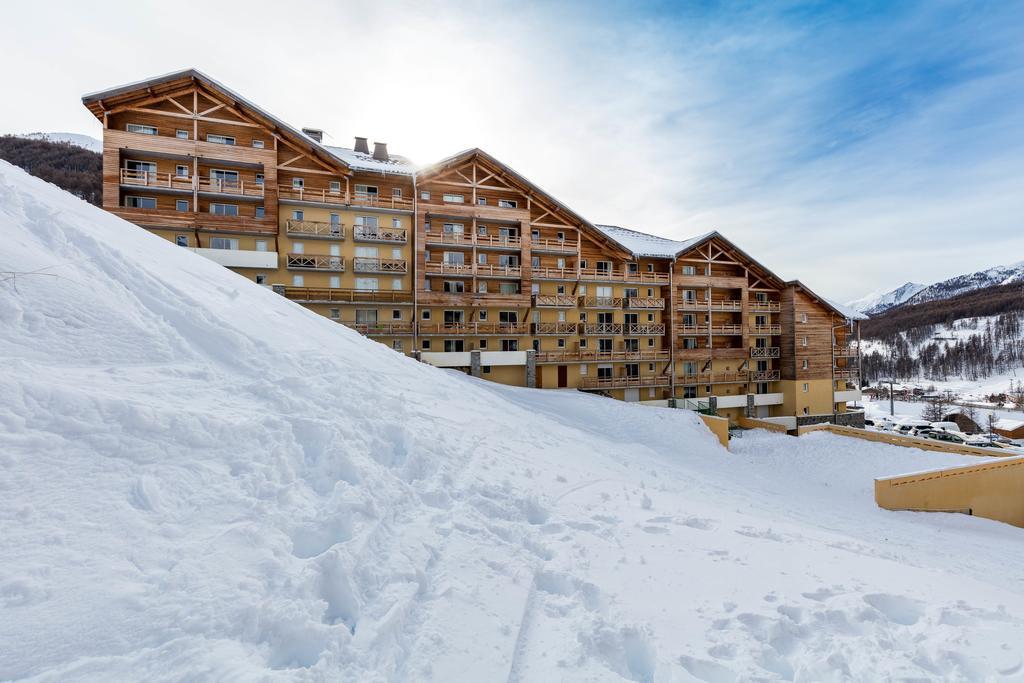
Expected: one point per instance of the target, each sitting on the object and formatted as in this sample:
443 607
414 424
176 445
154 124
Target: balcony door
563 376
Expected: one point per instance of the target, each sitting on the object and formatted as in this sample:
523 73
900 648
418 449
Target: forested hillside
69 167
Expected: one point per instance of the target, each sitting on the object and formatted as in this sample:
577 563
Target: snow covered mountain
203 481
85 141
877 302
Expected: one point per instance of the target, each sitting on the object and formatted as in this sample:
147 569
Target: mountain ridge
913 293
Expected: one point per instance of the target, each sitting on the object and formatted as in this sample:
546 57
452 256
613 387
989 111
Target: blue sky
854 146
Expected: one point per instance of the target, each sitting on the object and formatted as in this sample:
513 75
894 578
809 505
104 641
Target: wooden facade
464 257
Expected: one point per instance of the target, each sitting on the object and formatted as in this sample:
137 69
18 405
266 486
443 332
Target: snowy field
880 407
203 481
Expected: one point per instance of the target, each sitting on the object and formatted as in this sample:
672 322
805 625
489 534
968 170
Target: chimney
380 151
361 146
315 133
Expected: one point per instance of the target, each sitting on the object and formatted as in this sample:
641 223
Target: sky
853 146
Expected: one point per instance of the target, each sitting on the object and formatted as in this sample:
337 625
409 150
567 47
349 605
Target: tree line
69 167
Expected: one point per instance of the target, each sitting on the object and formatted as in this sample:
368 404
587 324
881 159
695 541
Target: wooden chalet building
466 263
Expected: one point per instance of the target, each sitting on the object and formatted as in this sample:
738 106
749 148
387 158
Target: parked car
957 438
909 426
946 426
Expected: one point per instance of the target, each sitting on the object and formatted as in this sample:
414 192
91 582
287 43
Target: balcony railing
553 246
498 241
766 329
624 382
152 179
764 375
645 302
554 301
713 378
603 328
386 329
232 187
385 202
690 330
442 268
361 264
473 328
547 273
311 194
844 351
347 296
644 330
497 270
728 305
450 238
316 262
464 239
583 356
601 302
315 229
765 306
363 233
612 275
845 374
764 351
556 328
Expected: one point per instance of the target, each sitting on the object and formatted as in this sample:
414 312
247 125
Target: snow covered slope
200 480
877 302
78 139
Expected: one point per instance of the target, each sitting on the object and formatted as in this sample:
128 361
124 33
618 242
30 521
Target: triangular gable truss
717 249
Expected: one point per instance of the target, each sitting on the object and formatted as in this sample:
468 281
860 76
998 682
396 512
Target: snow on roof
644 244
1008 424
366 162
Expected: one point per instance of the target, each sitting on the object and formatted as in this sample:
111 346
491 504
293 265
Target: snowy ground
189 491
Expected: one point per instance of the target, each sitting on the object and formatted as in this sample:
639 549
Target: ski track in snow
189 491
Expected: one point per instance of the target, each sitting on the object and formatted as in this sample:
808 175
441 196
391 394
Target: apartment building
465 263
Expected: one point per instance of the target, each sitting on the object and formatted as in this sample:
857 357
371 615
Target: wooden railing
380 328
548 273
347 296
499 241
645 302
624 382
601 302
363 233
844 351
603 328
646 329
232 187
156 180
764 351
765 307
468 240
690 330
450 238
612 275
766 329
601 356
386 202
557 328
362 264
473 328
554 246
554 300
845 374
311 194
316 262
764 375
315 229
714 305
714 281
714 378
496 270
442 268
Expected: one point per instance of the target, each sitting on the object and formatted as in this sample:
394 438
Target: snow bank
202 480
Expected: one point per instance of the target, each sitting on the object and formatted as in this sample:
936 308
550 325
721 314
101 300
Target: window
140 202
650 267
583 263
454 286
261 212
335 313
803 317
298 281
396 283
223 243
334 249
689 392
481 229
298 215
335 282
396 344
298 183
561 343
453 198
258 144
583 367
425 344
426 314
139 128
298 247
396 222
486 369
453 345
222 178
181 134
181 171
482 201
509 288
482 316
181 240
334 186
366 190
261 279
396 314
259 178
181 205
509 344
224 209
806 387
481 287
689 342
481 258
425 196
140 166
583 342
507 203
689 270
483 344
220 139
803 364
803 340
367 284
396 192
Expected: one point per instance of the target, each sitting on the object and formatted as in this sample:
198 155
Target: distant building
1011 429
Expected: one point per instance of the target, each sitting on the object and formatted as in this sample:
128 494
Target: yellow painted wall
719 426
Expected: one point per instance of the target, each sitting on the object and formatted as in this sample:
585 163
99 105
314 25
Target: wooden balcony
239 188
644 330
721 330
714 378
583 356
473 329
379 202
156 181
380 329
451 269
764 375
362 233
311 195
449 239
362 264
556 328
347 296
554 301
765 307
546 273
715 305
645 302
600 302
624 382
766 329
171 147
844 351
498 242
602 328
764 351
713 281
195 220
334 264
845 374
612 275
718 353
493 270
315 229
553 246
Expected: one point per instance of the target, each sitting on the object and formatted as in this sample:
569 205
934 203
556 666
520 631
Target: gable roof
101 101
644 244
360 161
